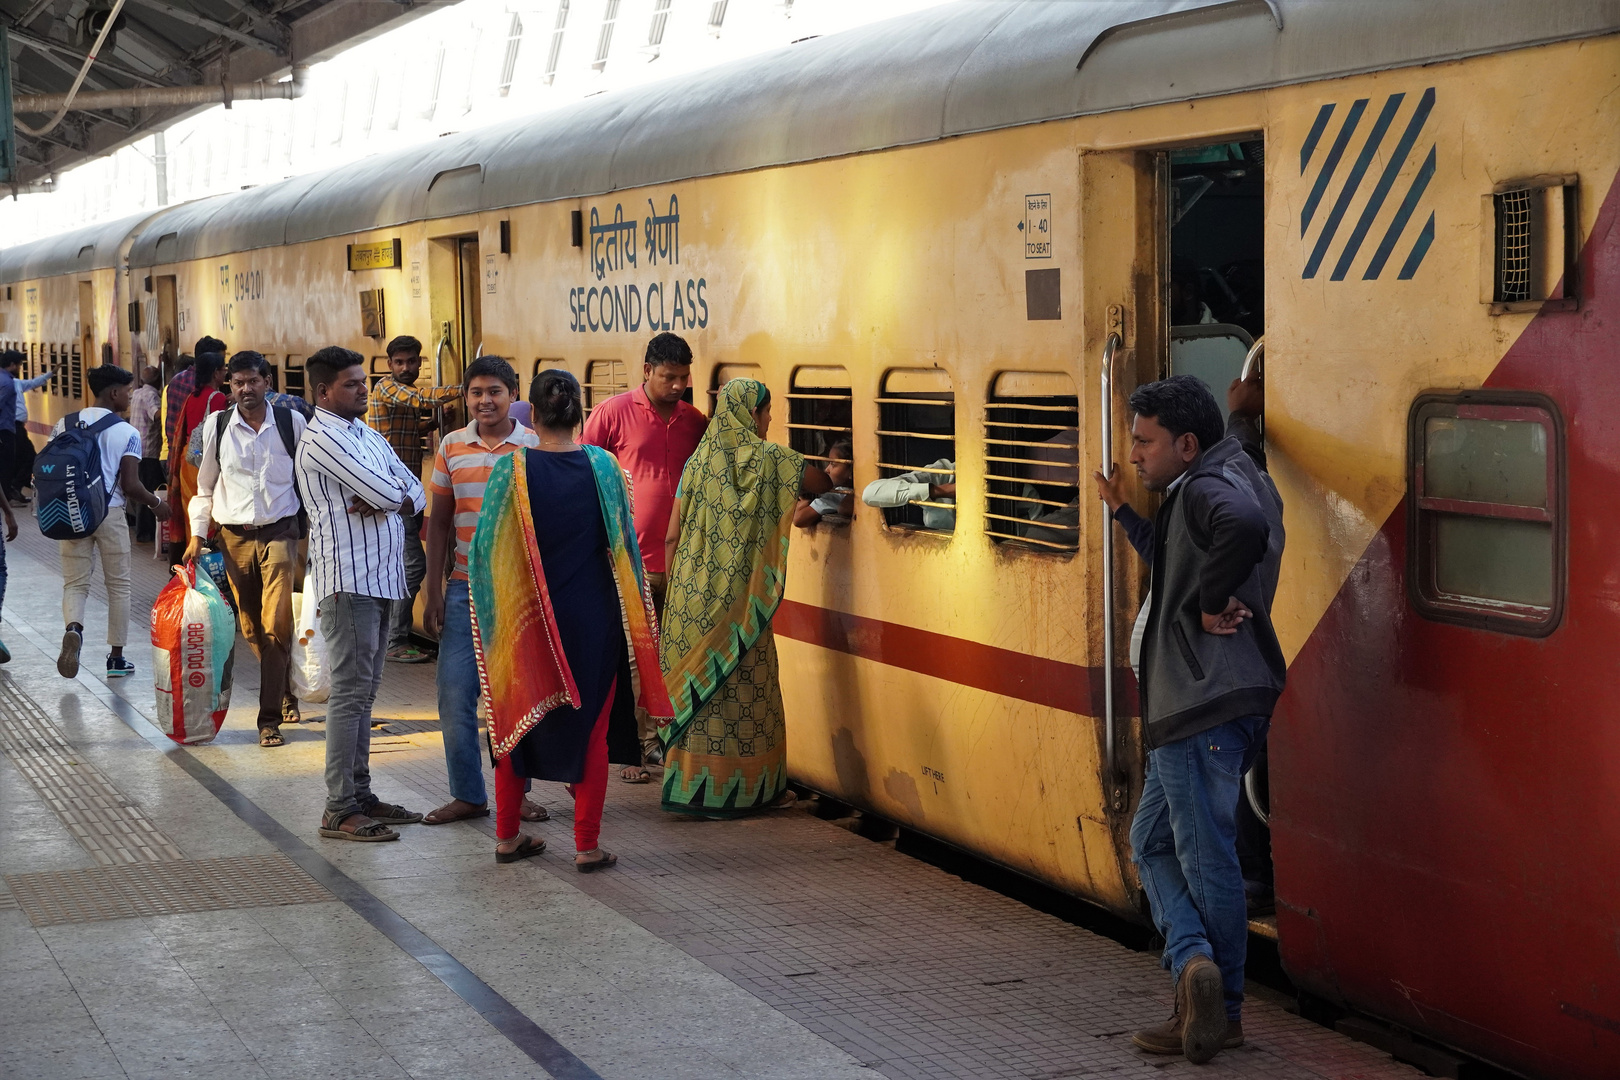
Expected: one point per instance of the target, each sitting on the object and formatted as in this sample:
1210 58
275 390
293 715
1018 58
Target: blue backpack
70 485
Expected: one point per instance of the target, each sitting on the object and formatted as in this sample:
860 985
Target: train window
724 373
1531 245
603 379
56 372
916 463
75 375
818 424
1032 461
293 375
1486 543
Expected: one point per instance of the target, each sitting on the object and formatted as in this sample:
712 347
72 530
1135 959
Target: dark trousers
401 611
8 457
22 457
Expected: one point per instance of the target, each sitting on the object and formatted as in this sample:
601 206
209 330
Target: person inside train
563 622
934 483
461 468
1211 672
120 446
358 496
21 473
145 416
837 506
725 752
397 405
1187 306
653 431
245 486
208 377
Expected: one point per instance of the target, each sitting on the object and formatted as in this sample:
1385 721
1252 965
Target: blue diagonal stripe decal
1419 249
1402 216
1352 183
1315 136
1326 175
1397 162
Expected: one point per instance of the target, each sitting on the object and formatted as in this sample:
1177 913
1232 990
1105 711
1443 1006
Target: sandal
636 774
444 815
528 847
270 737
365 831
392 814
533 811
591 866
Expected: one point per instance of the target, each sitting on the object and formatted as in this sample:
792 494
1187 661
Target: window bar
1033 540
914 468
947 403
555 53
1029 408
917 435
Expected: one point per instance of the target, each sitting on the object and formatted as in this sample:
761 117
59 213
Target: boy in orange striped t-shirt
461 468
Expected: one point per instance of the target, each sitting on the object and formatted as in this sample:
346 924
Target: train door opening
454 275
168 323
1214 302
87 323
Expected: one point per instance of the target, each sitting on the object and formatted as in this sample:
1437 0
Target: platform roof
167 43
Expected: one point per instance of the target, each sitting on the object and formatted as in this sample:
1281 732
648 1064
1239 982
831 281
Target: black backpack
289 439
70 481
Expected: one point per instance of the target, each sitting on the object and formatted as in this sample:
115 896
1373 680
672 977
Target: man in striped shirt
461 468
357 494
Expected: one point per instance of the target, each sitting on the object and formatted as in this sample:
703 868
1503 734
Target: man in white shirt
932 486
120 454
357 493
245 485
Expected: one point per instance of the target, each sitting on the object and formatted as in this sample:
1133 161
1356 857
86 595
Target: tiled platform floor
776 947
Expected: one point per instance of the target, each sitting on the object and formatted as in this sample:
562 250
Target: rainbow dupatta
522 669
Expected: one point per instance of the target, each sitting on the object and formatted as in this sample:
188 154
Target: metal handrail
1110 347
1251 359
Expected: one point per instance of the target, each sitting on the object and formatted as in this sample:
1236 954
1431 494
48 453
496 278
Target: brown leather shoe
1203 1027
1165 1038
1162 1038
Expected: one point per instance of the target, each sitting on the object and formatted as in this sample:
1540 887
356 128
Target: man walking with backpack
81 481
245 484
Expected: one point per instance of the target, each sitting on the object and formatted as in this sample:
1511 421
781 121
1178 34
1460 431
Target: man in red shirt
652 432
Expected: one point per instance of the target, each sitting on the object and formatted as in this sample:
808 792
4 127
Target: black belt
249 530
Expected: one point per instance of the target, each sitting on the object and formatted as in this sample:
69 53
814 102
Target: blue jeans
458 698
1184 837
356 631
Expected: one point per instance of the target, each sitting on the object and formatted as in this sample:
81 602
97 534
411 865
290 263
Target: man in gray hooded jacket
1211 672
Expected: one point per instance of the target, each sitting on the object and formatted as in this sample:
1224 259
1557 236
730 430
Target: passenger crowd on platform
605 585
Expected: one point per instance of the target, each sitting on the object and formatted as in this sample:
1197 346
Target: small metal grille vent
1513 220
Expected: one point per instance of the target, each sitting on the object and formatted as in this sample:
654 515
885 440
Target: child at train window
835 507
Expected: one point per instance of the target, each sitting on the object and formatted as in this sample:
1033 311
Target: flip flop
440 817
528 849
268 737
533 811
366 831
642 776
593 865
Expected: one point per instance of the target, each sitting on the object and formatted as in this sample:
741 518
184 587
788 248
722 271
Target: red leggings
589 794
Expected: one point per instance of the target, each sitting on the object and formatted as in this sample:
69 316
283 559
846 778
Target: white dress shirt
250 480
912 487
340 460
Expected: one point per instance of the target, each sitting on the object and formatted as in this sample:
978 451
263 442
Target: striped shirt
461 468
339 460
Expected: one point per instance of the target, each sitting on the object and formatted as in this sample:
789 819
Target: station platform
172 912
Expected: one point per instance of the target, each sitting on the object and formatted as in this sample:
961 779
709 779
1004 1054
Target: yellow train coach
960 238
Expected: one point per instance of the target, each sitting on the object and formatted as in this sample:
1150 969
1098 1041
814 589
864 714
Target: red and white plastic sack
307 670
193 638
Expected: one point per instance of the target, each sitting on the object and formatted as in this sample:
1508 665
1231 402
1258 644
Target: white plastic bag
310 677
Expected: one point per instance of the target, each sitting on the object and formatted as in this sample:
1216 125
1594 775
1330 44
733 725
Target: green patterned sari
726 749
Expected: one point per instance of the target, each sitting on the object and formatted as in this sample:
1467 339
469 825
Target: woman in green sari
726 749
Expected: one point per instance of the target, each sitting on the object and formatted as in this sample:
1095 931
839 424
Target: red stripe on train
1035 679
